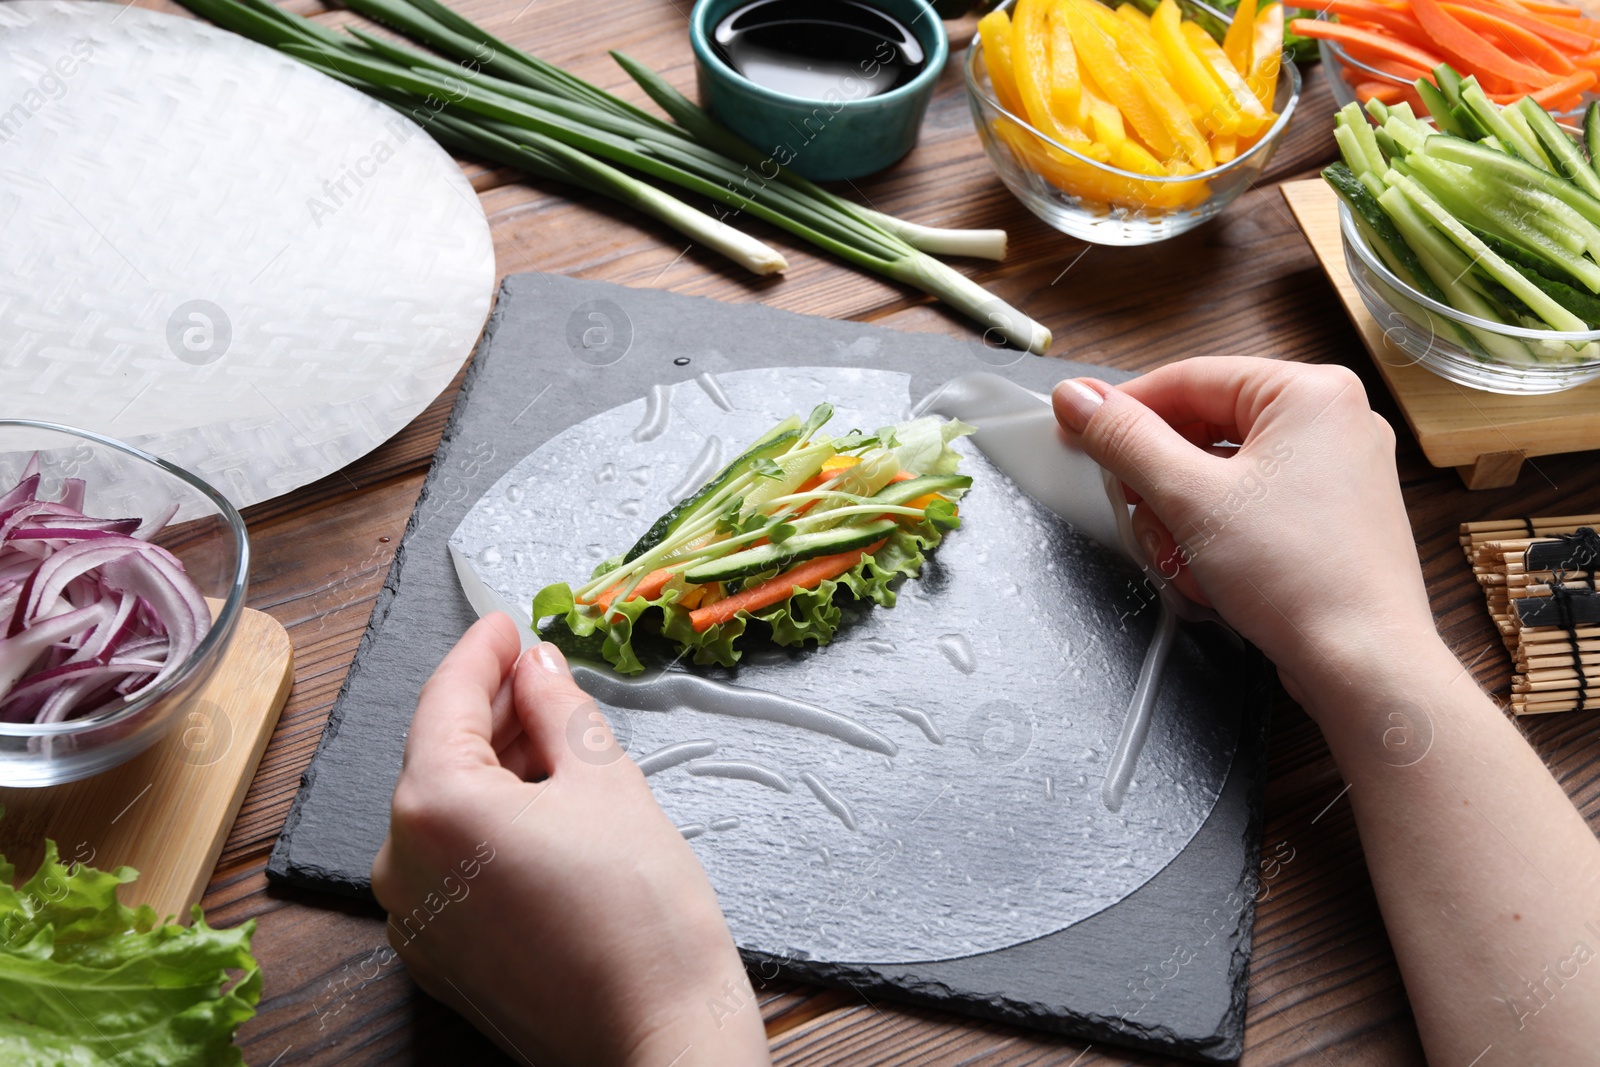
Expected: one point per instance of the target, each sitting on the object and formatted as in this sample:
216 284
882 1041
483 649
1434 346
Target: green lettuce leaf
923 445
86 981
810 615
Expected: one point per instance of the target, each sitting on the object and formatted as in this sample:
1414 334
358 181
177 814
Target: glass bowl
1429 333
1023 157
1344 73
205 533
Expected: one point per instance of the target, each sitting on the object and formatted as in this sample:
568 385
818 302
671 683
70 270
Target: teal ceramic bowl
845 134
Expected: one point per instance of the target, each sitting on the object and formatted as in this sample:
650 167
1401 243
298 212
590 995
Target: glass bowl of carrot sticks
1376 49
1125 123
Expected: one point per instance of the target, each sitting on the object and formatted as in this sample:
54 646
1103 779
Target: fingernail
1076 404
550 659
1152 546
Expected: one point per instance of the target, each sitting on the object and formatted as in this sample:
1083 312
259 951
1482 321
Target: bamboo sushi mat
1544 602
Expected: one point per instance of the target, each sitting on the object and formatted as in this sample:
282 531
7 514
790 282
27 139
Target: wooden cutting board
1485 436
167 811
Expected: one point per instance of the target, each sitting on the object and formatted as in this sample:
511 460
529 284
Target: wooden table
1323 983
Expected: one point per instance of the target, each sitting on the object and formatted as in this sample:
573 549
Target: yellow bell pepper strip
1252 116
1137 44
1138 22
1064 79
1225 146
1263 79
1115 75
1240 41
994 31
1192 78
1030 62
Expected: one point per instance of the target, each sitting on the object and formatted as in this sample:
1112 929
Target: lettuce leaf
923 445
86 981
809 615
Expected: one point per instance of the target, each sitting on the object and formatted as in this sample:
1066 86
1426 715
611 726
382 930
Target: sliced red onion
92 613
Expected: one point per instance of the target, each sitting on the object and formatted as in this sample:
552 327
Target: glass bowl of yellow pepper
1129 123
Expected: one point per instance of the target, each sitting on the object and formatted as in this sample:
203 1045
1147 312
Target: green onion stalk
509 107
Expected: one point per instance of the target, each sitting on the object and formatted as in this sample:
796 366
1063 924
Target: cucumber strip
1554 314
1472 129
1591 133
1450 270
1519 255
772 444
1354 152
1449 83
1392 150
1408 135
1488 115
1438 107
1566 157
898 494
1369 142
1517 121
1389 244
1584 305
795 470
794 550
1489 163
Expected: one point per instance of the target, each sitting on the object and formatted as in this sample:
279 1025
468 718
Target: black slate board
1163 969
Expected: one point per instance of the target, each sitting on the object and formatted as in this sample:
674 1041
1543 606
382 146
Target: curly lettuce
809 615
86 981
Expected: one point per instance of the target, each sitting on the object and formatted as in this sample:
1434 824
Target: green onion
510 107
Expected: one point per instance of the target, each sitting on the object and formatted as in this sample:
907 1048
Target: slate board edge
280 869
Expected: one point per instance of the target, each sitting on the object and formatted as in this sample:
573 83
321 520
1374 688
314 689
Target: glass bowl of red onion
122 578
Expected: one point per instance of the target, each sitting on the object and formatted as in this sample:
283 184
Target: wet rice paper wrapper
925 787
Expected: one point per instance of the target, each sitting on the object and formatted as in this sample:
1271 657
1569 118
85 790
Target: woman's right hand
1298 537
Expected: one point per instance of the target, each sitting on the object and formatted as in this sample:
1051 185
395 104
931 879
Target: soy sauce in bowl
804 48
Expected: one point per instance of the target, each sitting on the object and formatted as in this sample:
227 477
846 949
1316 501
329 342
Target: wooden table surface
1323 983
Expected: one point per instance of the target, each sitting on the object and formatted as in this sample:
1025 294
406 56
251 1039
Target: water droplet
641 475
630 508
681 361
607 473
490 554
882 648
958 650
597 551
1049 788
730 822
1010 589
514 493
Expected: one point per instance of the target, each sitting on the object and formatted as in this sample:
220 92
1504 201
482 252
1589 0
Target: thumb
564 724
1131 441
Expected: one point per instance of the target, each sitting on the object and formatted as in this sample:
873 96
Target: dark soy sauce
819 49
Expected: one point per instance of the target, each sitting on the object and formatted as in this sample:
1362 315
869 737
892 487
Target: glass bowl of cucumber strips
1475 245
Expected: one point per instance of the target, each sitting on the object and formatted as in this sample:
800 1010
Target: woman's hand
566 918
1487 876
1298 537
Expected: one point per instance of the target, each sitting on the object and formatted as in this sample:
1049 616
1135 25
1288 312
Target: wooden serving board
167 811
1485 436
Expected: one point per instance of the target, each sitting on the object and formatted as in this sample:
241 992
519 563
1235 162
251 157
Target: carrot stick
1530 46
1570 86
1546 7
1472 53
1355 39
1395 20
649 588
1392 67
1570 38
1389 94
807 575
